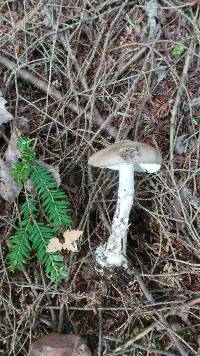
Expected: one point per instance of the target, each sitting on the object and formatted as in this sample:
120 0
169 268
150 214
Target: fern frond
53 262
19 243
54 200
21 172
26 150
29 209
23 167
33 235
19 248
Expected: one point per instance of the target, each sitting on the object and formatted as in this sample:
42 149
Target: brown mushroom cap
139 154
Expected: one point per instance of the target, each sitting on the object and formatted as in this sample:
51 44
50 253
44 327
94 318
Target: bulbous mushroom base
107 258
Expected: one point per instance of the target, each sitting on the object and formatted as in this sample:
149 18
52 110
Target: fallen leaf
70 236
12 153
54 245
58 344
9 190
169 279
5 116
17 49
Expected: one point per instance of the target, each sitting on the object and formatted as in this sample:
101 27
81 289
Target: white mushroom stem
113 253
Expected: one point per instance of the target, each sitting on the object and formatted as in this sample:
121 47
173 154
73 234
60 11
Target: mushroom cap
143 157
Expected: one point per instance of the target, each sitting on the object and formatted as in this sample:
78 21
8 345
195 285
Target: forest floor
78 75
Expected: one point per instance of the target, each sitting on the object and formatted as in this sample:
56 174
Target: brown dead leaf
169 278
12 153
9 190
70 236
5 116
60 344
17 49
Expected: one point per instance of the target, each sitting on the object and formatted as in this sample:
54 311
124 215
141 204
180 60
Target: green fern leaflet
54 201
53 262
19 243
31 234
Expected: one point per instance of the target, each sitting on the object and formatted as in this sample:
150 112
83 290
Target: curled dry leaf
12 153
5 116
70 236
169 279
9 190
54 245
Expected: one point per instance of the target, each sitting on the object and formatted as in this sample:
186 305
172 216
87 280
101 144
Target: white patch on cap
150 167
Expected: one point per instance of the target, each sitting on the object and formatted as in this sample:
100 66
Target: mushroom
127 157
